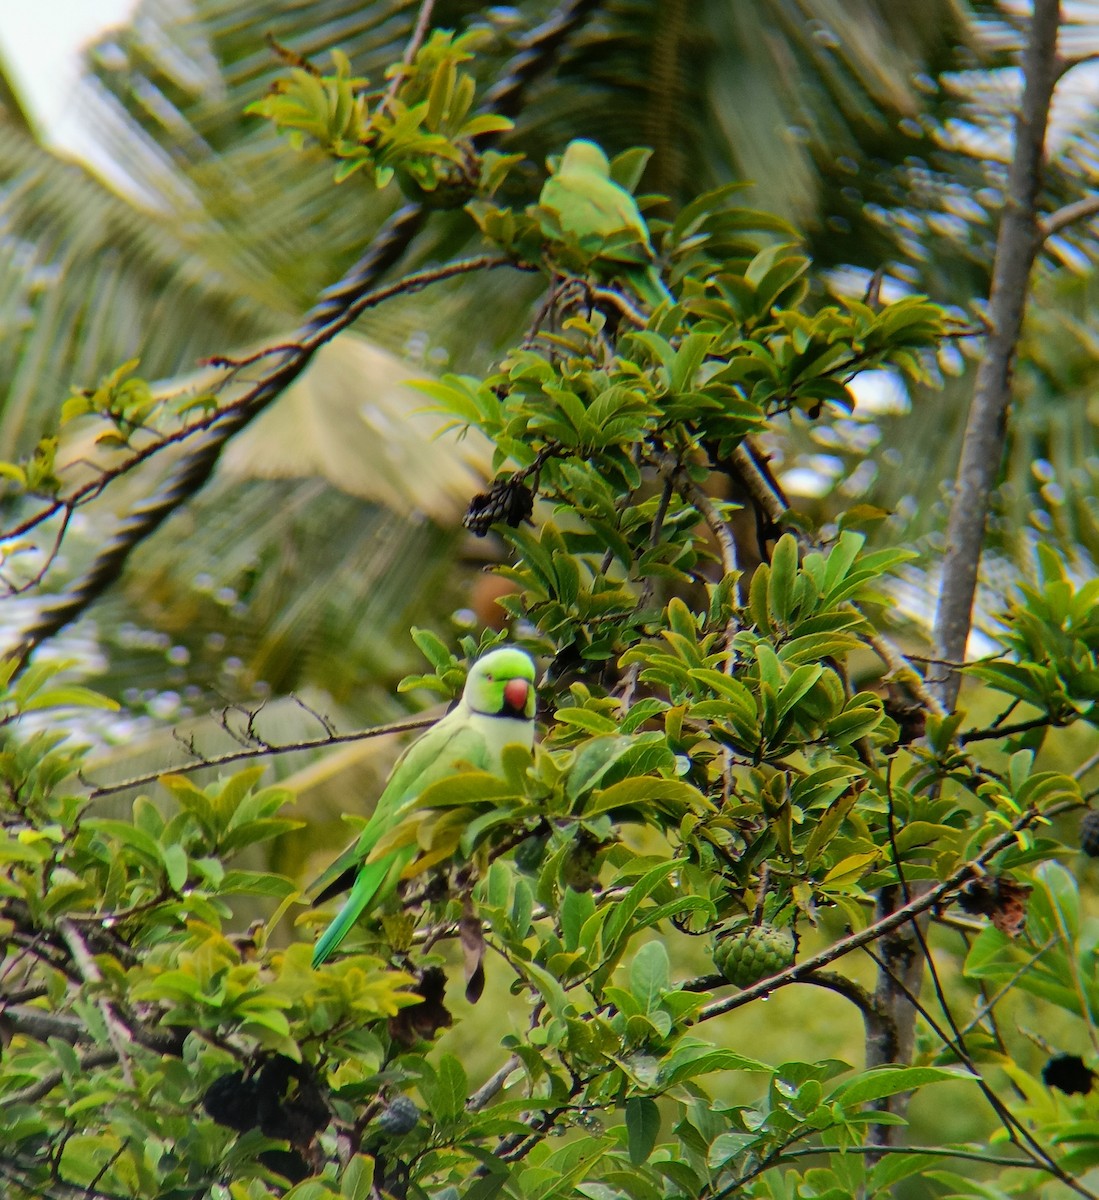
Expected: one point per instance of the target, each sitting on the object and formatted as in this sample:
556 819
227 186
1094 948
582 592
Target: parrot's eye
488 679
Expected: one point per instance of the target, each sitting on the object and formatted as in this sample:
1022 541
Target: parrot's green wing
415 761
440 752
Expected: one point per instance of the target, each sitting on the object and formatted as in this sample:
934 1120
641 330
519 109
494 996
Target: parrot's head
502 684
582 155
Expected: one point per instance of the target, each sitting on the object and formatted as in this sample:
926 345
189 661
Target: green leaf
128 835
692 1062
451 1090
650 974
433 649
576 909
175 866
71 696
642 1128
638 790
465 787
257 883
890 1081
358 1177
308 1189
584 718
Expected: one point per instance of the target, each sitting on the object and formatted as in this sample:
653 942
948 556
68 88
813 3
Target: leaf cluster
420 128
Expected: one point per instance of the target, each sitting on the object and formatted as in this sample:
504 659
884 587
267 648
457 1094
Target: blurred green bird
602 217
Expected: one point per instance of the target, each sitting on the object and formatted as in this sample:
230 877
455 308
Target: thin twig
897 663
491 1087
1019 1134
1078 210
995 1160
219 760
335 308
1089 764
674 471
799 972
298 354
117 1033
981 735
419 32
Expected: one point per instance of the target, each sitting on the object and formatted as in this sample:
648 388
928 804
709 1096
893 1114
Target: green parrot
598 213
496 710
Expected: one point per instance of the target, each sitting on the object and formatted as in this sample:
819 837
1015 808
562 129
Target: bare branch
694 495
321 325
897 663
1089 764
117 1032
42 1087
491 1087
981 735
849 990
1079 210
42 1025
261 751
419 32
1016 1130
983 445
336 308
764 495
800 971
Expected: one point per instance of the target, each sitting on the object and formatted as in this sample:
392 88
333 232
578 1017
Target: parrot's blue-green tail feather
365 888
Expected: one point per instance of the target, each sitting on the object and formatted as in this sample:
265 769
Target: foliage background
892 151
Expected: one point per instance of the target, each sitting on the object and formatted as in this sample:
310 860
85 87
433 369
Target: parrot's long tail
370 878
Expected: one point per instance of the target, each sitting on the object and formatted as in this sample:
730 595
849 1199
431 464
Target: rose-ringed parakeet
603 218
496 710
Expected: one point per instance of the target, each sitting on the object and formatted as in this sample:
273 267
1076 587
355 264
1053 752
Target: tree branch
676 473
40 1024
117 1033
800 971
1079 210
1018 1132
983 445
491 1087
42 1087
195 469
333 739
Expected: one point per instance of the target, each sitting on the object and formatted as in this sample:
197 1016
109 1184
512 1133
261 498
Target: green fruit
753 952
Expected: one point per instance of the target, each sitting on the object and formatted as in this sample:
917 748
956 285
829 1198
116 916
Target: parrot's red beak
516 692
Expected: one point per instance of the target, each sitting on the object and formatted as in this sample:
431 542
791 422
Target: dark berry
1067 1073
508 500
400 1116
232 1101
1089 833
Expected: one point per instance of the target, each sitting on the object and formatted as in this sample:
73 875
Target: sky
41 42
